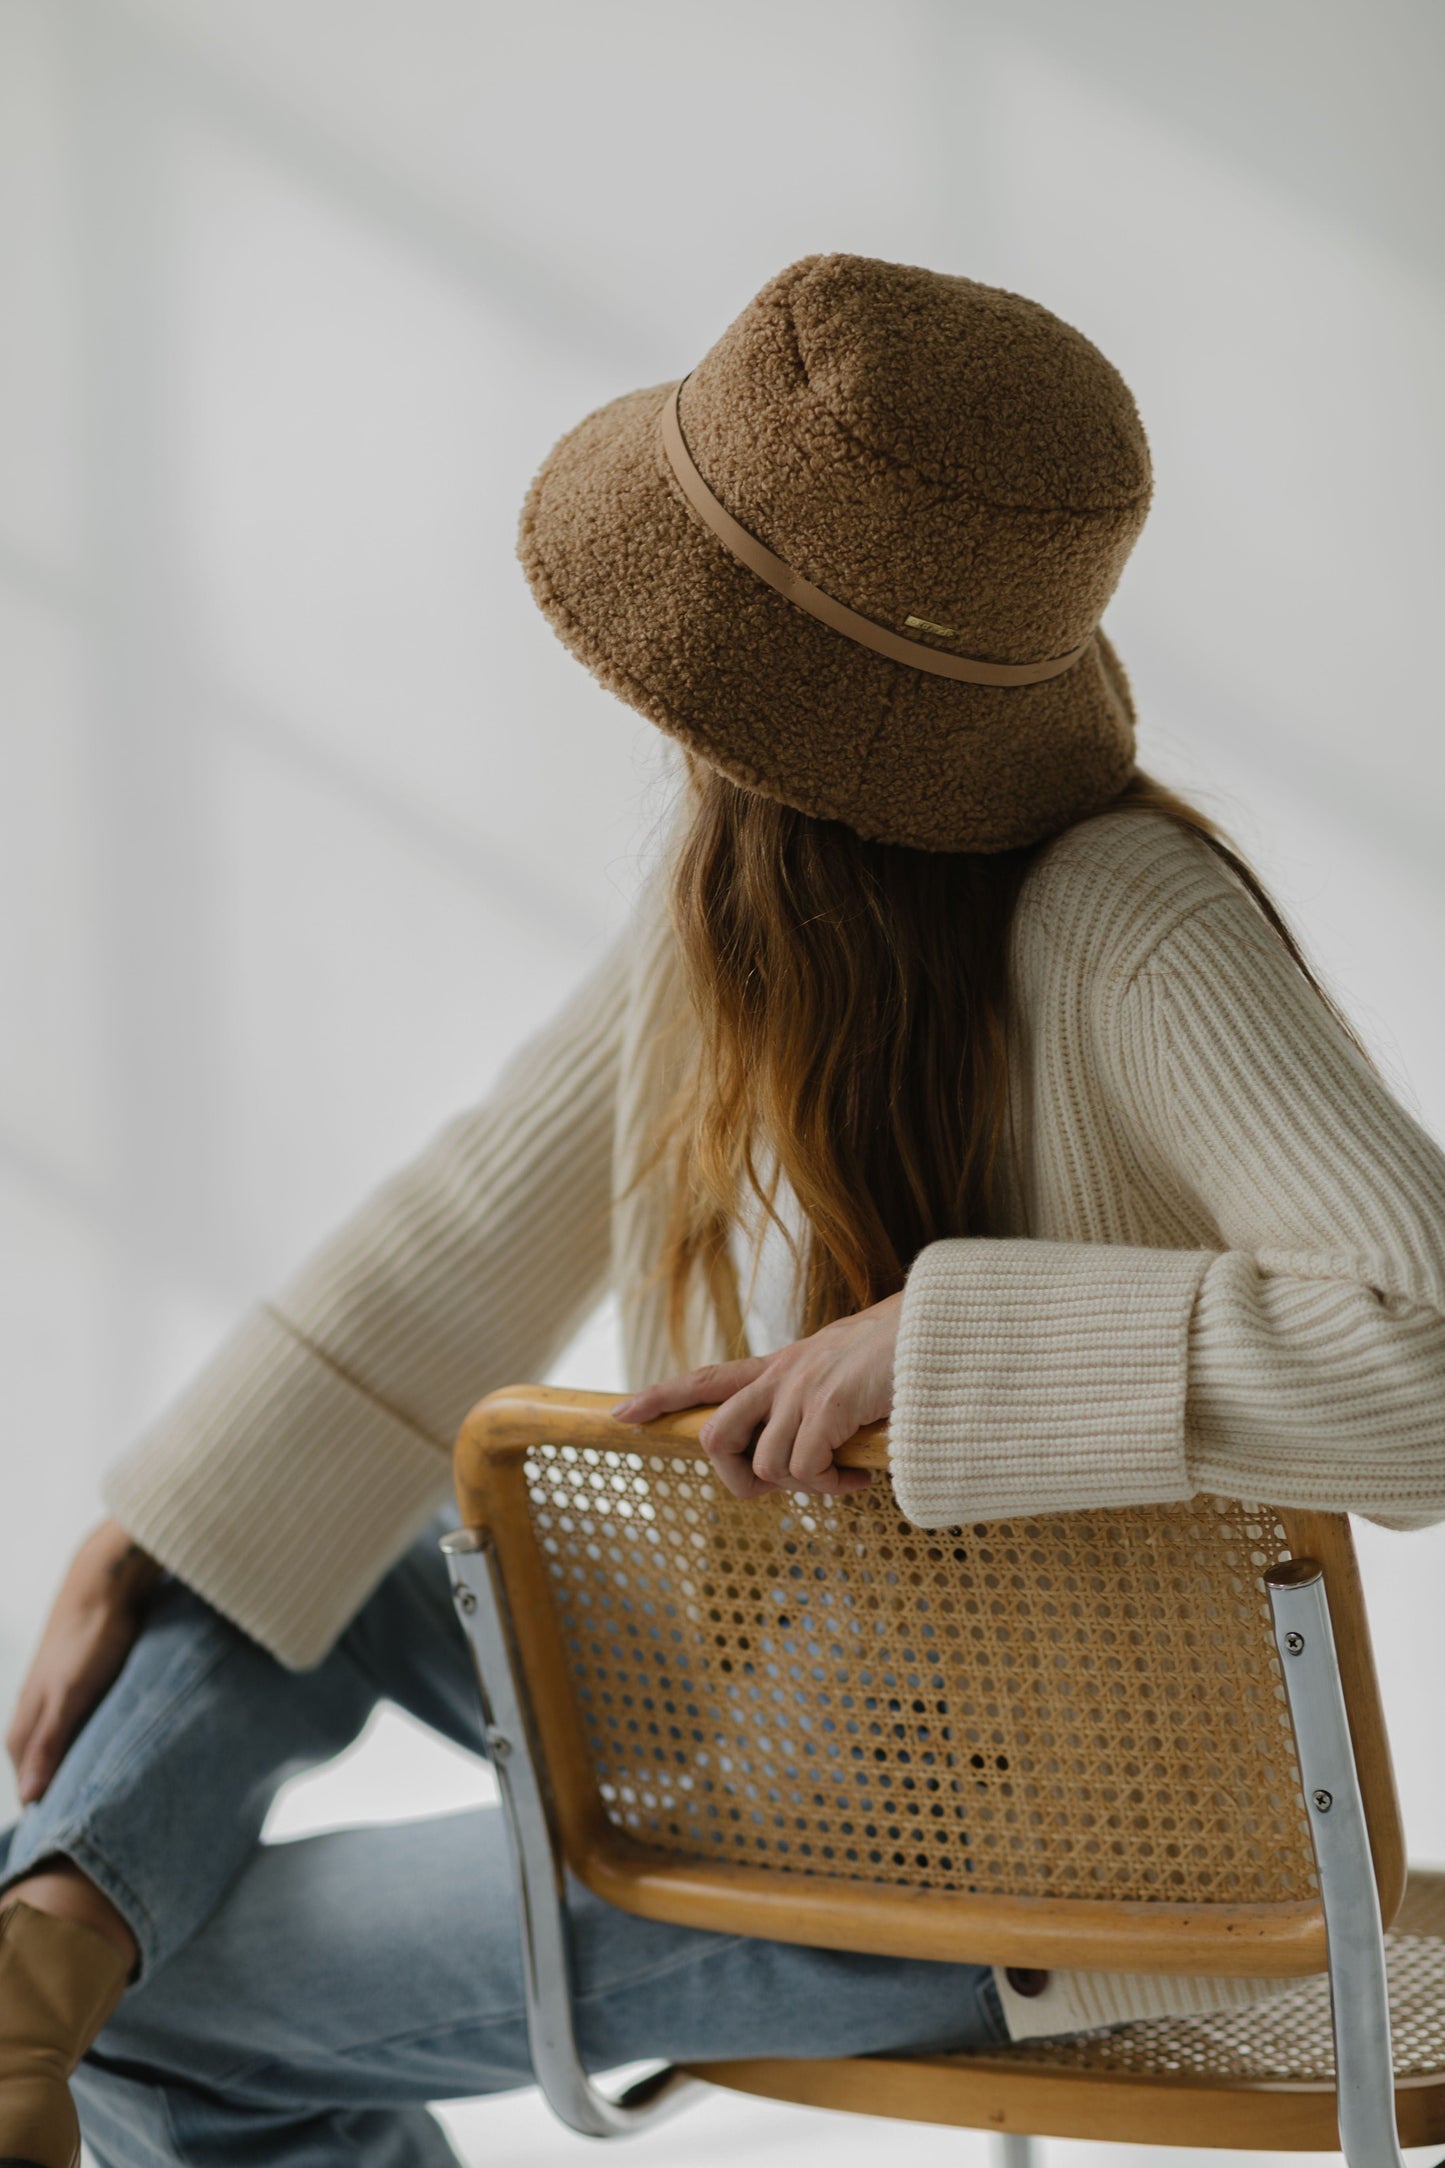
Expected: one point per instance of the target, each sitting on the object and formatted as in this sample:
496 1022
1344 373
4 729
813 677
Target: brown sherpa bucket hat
858 558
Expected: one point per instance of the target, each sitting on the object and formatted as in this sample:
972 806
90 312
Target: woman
957 1069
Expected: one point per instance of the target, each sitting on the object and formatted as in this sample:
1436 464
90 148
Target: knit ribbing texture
333 1409
1223 1271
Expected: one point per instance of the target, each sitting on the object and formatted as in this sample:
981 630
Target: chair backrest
1059 1741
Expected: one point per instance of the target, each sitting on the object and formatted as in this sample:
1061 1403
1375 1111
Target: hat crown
921 445
947 460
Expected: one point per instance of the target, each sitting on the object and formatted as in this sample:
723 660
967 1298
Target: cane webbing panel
1286 2037
1080 1705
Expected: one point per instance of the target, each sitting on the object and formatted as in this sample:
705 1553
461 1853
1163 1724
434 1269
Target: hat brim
669 620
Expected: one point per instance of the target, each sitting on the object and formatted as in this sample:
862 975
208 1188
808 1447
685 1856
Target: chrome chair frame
1356 1945
1359 1996
481 1605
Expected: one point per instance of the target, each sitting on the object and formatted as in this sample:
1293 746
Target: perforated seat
1076 1742
1259 2077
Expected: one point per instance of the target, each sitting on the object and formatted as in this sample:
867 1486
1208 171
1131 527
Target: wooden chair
1146 1740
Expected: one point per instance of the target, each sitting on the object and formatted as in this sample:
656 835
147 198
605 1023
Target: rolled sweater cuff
1041 1377
1074 2002
278 1489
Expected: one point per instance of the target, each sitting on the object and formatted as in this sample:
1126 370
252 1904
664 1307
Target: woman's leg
349 1979
161 1798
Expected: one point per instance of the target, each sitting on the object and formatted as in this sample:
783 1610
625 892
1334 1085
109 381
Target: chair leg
1011 2150
1359 1997
481 1603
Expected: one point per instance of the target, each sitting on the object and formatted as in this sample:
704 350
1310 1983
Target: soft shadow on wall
309 820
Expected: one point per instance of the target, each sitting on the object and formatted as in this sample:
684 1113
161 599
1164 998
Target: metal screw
466 1600
1294 1643
1323 1800
499 1746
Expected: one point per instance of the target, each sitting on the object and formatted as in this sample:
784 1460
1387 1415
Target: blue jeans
299 2004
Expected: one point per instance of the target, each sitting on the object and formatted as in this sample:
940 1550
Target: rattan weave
1073 1705
1284 2039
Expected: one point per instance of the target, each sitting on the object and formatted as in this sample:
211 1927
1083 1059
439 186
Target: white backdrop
306 819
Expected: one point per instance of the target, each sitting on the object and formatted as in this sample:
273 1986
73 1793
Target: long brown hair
852 1001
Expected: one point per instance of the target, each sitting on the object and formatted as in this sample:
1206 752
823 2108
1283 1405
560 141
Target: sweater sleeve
1300 1359
309 1451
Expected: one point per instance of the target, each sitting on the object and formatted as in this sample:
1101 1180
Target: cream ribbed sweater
1224 1272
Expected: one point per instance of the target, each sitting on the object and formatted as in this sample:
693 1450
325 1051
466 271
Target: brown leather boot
59 1982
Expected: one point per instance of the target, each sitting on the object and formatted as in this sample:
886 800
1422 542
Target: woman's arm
1299 1360
1317 1344
1302 1362
307 1453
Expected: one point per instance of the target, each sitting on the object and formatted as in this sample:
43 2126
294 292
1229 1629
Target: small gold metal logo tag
926 624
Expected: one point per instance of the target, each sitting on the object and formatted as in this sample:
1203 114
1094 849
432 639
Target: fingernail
622 1410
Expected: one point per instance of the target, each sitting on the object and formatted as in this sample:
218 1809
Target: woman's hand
93 1625
790 1411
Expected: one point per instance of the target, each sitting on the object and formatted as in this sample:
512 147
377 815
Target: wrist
126 1572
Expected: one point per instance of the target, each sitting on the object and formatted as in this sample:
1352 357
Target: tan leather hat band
759 559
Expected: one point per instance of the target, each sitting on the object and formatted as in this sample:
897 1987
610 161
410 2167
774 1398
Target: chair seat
1257 2077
